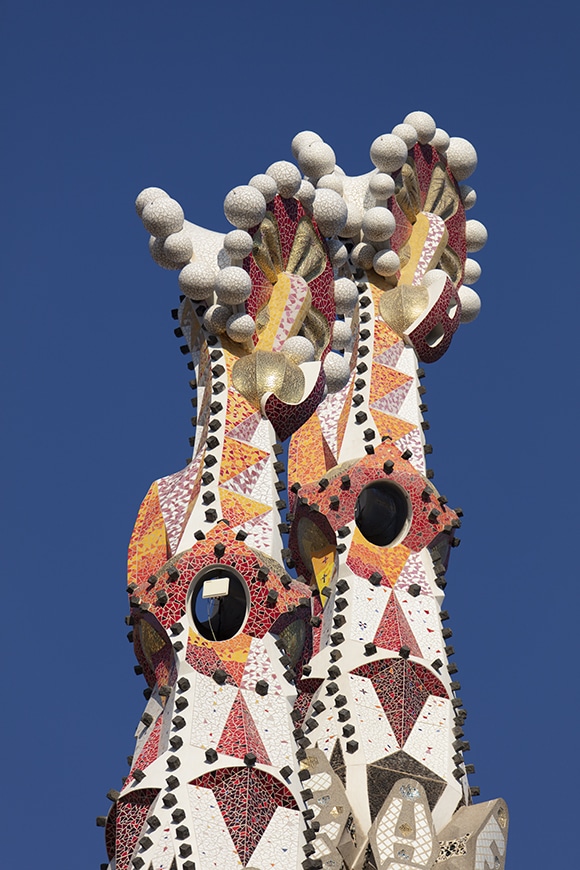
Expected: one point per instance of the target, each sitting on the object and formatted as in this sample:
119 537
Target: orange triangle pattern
237 409
238 509
306 460
240 734
148 545
384 337
389 426
238 457
364 558
383 380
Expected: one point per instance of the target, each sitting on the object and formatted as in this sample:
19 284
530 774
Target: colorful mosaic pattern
302 706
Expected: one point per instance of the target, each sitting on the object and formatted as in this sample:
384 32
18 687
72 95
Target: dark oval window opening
219 603
381 512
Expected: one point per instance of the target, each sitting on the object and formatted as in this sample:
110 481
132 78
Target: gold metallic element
276 309
421 229
442 198
268 372
402 305
151 641
405 829
502 817
294 636
267 248
317 552
307 257
409 196
450 262
316 329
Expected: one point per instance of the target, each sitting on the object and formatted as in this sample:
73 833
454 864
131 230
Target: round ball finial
287 177
424 124
470 304
266 185
475 236
306 194
386 263
238 244
178 247
298 349
461 157
472 271
388 152
216 318
341 335
301 140
468 196
362 255
244 206
233 285
382 186
316 159
150 194
337 371
162 217
240 327
440 140
378 224
345 295
196 281
407 133
330 212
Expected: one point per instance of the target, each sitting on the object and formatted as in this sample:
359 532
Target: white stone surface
301 140
470 303
382 185
345 295
341 335
337 371
316 159
475 235
440 140
407 133
162 217
244 206
386 263
287 177
468 196
299 349
472 271
150 194
266 184
240 327
424 124
378 224
233 285
330 212
196 280
216 318
238 243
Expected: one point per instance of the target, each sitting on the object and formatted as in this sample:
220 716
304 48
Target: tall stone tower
286 587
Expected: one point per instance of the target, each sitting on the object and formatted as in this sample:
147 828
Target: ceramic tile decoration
286 587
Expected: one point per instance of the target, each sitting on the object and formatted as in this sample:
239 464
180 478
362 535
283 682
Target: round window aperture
219 602
382 512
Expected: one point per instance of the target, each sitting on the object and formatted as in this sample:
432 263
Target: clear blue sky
100 100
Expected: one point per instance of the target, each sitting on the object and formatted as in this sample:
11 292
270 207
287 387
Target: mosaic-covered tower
286 587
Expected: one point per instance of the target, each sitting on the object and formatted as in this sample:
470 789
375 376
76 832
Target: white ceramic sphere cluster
169 244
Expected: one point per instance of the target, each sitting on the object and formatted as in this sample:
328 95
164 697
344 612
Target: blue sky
100 101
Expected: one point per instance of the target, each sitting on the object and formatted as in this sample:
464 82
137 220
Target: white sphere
378 224
244 206
382 185
266 185
440 140
345 295
162 217
341 335
316 159
338 253
461 157
233 285
157 251
150 194
330 212
337 371
475 235
240 327
470 304
196 280
353 223
238 244
301 140
298 349
216 318
362 255
287 177
388 152
424 124
468 196
407 133
331 182
472 271
306 194
386 263
178 247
